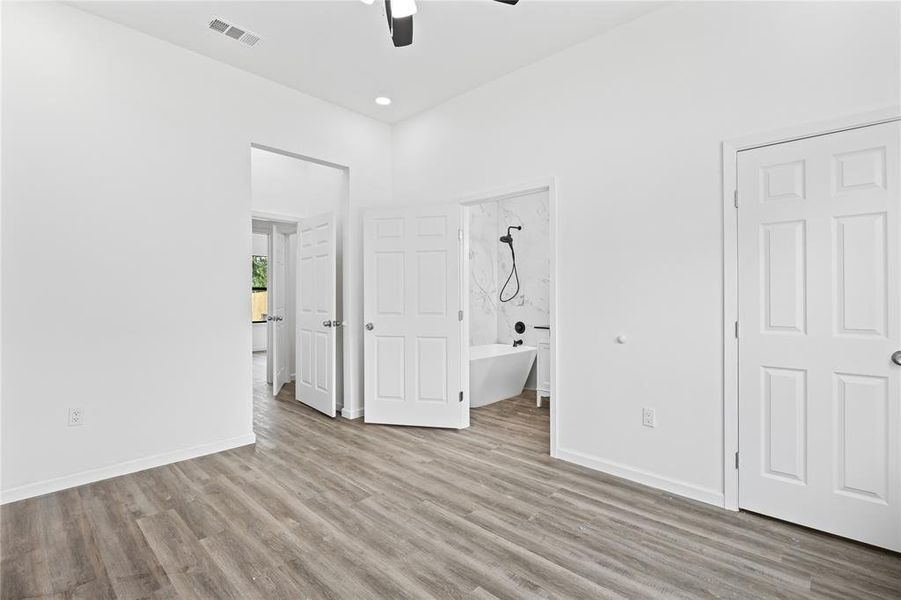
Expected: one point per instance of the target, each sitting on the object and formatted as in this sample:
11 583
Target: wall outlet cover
648 417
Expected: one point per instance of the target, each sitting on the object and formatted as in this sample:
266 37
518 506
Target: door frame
730 150
351 339
548 184
288 222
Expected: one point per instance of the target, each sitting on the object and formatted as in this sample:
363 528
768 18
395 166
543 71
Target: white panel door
277 308
820 424
316 313
411 287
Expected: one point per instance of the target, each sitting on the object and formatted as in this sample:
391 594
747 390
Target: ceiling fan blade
402 32
507 1
401 29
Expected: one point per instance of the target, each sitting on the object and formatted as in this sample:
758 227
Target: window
258 285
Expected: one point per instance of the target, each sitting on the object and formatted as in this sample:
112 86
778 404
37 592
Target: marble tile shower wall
483 254
492 321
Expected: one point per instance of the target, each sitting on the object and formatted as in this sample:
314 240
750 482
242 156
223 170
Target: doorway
818 331
507 266
299 206
273 283
419 320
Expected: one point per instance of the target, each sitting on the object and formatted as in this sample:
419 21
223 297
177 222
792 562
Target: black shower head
508 239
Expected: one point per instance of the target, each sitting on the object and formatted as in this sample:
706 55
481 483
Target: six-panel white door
411 283
316 313
278 334
819 298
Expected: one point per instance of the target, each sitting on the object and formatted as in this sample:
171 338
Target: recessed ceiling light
383 101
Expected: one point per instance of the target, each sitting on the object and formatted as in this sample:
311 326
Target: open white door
317 313
411 288
277 304
820 333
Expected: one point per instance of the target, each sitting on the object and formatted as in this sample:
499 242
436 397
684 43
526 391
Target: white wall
288 186
127 159
631 124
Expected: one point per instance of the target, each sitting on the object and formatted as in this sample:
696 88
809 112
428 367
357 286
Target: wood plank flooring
324 508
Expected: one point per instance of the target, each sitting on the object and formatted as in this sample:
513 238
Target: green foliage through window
258 284
258 272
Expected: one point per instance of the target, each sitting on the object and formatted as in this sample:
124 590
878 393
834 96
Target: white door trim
731 148
539 185
351 338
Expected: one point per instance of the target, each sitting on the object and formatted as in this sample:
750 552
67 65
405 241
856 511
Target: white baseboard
653 480
349 413
124 468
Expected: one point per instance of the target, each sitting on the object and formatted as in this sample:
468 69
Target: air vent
249 39
218 25
234 32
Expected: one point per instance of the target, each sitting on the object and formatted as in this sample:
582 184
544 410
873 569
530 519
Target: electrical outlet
75 417
648 417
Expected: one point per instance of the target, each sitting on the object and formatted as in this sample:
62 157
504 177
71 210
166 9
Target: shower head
508 239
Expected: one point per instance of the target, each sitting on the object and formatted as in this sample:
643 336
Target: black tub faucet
517 343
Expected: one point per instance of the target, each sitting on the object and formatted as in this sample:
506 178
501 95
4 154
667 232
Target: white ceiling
339 50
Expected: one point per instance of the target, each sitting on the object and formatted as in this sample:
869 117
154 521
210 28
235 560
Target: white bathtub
498 372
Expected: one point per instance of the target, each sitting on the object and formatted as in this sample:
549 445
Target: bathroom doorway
509 299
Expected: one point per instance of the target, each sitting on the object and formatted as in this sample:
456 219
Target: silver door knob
326 323
337 324
896 357
369 326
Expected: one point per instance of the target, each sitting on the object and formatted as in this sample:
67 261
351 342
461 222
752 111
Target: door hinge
459 315
735 198
461 396
736 460
460 234
736 330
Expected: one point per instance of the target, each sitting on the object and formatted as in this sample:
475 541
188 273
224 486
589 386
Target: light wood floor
325 508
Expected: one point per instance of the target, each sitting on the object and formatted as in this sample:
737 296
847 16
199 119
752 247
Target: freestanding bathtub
498 372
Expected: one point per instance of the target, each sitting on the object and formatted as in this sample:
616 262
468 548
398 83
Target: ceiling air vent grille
218 25
236 33
249 39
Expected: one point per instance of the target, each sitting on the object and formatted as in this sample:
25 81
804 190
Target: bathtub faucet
517 343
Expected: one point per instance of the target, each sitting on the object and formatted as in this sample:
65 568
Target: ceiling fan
400 19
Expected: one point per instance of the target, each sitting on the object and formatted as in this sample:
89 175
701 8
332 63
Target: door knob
326 323
896 357
369 326
337 324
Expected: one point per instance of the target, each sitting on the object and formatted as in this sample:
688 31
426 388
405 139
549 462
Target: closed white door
317 319
412 295
819 265
277 309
